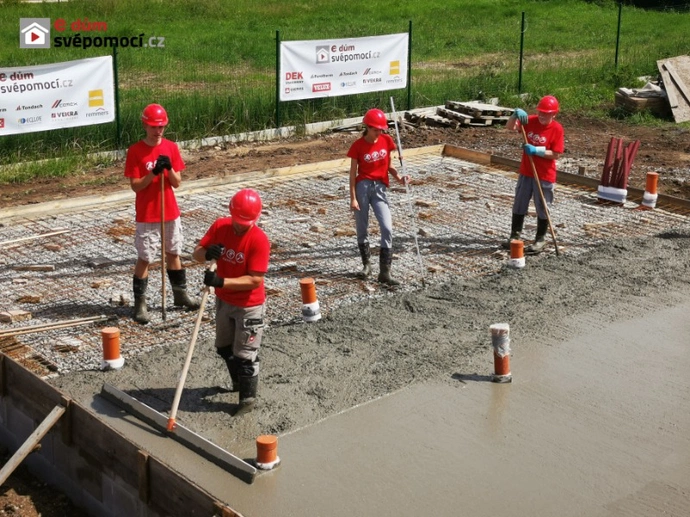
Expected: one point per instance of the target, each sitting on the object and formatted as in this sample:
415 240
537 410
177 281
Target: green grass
216 73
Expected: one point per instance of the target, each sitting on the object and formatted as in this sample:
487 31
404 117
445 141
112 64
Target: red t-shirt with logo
552 138
141 158
373 159
244 253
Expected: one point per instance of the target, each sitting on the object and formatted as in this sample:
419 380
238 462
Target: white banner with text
56 96
331 68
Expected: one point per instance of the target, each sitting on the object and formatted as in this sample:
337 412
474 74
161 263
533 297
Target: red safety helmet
245 206
548 104
375 118
154 115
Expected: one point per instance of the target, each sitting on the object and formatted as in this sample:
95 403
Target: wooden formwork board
675 73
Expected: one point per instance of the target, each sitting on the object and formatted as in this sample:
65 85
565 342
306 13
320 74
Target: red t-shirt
242 254
552 138
373 159
141 158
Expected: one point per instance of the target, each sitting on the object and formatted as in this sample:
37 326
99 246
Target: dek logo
34 33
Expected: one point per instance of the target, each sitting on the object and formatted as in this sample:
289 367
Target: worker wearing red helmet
370 165
545 145
148 161
241 251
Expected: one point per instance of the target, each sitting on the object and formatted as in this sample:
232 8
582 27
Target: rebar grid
463 213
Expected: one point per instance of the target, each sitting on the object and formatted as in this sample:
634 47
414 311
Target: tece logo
59 104
34 33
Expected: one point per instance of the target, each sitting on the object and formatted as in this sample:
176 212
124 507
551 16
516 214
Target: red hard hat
548 104
154 115
245 206
375 118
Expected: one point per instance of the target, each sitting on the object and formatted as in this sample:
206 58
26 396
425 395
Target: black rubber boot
515 230
539 241
365 252
385 261
248 388
178 280
233 368
141 314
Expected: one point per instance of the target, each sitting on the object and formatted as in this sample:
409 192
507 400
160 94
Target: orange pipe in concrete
110 337
267 451
308 287
500 339
517 254
652 182
310 305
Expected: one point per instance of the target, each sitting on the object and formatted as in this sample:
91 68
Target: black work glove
162 163
212 280
213 252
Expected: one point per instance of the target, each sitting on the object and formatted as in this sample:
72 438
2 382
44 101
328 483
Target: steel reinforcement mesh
460 211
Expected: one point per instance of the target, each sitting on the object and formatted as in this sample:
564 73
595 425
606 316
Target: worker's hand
405 180
164 162
213 252
532 150
157 169
354 205
212 280
521 115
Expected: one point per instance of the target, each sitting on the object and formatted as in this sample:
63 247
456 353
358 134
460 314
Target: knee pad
248 368
225 352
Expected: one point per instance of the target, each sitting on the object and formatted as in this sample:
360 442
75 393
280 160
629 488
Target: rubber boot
141 314
515 230
365 252
248 388
233 368
539 241
385 261
178 280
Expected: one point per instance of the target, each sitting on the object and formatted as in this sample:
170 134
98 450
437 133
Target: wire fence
226 95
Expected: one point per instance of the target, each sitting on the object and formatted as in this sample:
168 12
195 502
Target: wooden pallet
461 114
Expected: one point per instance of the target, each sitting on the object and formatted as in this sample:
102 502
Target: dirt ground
371 349
665 150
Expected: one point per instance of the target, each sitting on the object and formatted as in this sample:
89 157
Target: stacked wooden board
456 114
675 73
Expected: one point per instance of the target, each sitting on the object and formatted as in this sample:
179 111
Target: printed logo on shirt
375 156
232 257
536 138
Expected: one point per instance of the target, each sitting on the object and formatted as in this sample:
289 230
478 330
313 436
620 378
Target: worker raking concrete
544 143
241 251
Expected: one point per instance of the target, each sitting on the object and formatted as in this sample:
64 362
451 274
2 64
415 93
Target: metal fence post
277 79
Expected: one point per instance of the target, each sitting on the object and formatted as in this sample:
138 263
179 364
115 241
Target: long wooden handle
162 175
188 359
541 192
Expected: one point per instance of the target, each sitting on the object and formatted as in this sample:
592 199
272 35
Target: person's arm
519 116
174 178
139 184
354 205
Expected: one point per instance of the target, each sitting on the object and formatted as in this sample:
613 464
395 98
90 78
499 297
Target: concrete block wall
96 467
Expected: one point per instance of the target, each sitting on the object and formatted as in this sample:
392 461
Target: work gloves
532 150
212 280
521 115
213 252
162 163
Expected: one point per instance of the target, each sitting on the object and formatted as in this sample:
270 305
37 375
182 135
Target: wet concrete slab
597 426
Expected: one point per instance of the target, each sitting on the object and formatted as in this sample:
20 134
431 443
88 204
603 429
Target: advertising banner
55 96
331 68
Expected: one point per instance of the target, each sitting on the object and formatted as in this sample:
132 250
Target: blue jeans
373 194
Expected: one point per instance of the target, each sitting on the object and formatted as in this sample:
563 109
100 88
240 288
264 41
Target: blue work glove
532 150
212 280
213 252
521 115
